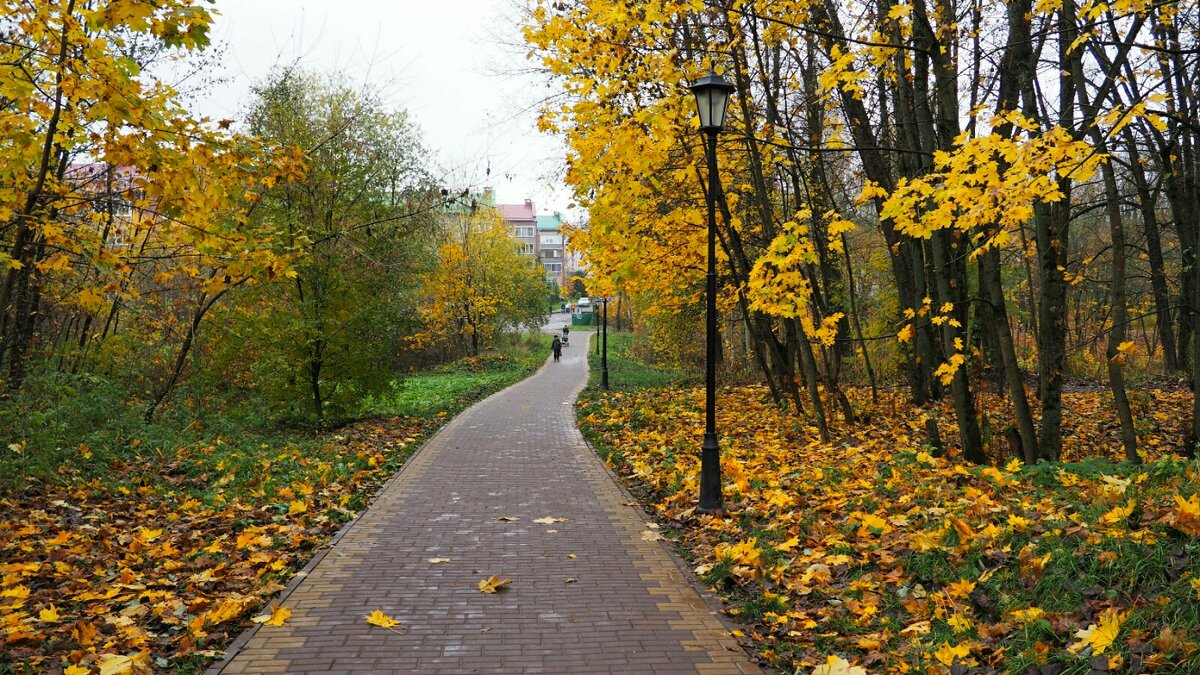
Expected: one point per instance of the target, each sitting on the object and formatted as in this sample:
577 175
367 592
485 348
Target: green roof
551 223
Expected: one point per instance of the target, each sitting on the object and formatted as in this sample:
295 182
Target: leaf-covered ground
128 556
870 553
159 566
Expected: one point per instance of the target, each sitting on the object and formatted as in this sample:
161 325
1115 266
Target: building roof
550 223
517 211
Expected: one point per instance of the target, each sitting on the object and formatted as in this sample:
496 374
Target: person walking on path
556 347
507 489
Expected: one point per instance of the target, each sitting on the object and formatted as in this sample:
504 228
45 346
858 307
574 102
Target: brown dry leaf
492 584
508 519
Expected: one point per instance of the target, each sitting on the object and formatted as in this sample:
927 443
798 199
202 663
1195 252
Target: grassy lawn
627 373
185 527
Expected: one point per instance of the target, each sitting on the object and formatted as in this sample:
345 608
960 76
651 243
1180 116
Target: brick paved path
620 605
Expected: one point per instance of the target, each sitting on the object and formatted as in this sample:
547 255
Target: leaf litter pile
161 564
869 554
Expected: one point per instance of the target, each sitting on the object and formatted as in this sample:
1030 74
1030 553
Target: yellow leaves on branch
1124 350
989 184
946 371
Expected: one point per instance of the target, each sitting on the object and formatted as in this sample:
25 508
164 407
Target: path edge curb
712 602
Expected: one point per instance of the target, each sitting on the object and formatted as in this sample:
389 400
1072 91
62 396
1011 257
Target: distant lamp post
712 100
604 356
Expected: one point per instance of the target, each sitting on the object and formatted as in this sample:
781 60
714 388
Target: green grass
448 389
67 429
625 372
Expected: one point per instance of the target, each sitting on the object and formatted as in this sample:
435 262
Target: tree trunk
994 292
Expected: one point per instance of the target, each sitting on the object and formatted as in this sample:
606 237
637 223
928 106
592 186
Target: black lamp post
712 100
604 356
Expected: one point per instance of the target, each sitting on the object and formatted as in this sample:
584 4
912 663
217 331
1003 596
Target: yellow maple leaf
119 664
225 610
1027 615
947 653
298 506
1187 514
276 617
1099 636
549 520
15 592
1196 587
49 615
492 584
75 670
1119 513
960 623
836 665
378 618
960 589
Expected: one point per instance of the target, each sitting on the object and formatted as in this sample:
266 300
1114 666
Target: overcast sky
442 60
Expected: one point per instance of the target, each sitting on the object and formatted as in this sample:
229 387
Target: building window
526 249
551 253
524 231
552 267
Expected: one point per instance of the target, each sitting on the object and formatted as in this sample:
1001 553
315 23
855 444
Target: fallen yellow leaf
49 615
276 617
438 561
836 665
1099 636
492 584
378 618
947 653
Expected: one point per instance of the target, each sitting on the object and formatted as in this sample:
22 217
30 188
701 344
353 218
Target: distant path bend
588 594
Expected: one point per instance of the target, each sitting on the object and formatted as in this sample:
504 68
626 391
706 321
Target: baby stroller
565 337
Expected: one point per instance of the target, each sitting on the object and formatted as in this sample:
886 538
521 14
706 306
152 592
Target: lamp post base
710 476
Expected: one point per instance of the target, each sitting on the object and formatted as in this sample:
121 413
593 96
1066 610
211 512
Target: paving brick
518 453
